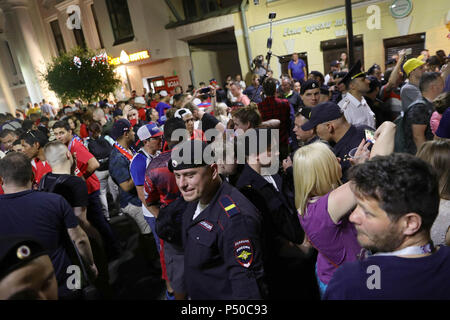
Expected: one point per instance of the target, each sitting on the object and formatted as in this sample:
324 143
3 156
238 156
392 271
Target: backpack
168 223
49 183
100 149
400 122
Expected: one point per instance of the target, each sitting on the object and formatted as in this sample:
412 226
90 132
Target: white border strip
313 15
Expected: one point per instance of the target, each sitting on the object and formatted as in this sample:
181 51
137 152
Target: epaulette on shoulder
229 206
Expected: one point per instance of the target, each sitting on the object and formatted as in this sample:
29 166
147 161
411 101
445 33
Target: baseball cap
180 113
190 154
197 101
411 65
17 251
309 84
120 127
117 112
148 131
321 113
163 93
139 100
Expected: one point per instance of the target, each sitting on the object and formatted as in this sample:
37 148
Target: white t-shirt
200 208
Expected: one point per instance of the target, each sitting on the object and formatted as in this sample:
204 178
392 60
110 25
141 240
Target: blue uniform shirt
222 249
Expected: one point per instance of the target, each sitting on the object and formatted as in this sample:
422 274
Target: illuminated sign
125 58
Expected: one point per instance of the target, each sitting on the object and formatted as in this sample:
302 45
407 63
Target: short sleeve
118 168
83 154
69 218
419 114
151 190
75 191
137 170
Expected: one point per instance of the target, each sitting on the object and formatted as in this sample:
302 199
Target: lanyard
408 251
123 151
75 137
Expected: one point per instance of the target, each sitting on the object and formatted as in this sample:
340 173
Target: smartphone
408 51
370 136
205 90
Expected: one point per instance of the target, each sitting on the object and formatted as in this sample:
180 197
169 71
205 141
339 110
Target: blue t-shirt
297 69
425 278
120 172
161 107
45 217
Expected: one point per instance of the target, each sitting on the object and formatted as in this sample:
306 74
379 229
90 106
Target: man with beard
355 107
397 200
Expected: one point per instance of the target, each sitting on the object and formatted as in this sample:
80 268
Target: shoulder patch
229 206
243 252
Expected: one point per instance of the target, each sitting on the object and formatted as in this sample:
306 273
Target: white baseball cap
139 100
163 93
197 101
180 113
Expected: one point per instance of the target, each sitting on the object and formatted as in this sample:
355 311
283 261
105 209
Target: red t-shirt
40 169
83 156
142 113
153 104
84 131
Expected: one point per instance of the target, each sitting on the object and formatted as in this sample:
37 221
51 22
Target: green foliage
89 83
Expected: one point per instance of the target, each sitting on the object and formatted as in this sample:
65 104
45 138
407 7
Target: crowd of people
302 187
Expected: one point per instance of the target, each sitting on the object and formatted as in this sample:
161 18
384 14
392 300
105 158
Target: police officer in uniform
288 261
354 106
221 230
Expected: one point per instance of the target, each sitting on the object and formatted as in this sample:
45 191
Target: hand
213 90
445 69
362 154
287 163
125 111
401 54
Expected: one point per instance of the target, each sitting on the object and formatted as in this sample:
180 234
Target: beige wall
214 64
426 17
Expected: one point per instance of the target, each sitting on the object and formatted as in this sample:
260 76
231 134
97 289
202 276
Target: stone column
6 92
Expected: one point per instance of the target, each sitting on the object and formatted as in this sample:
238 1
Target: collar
355 101
15 195
250 177
350 132
211 215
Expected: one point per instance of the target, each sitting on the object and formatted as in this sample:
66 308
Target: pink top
434 121
245 100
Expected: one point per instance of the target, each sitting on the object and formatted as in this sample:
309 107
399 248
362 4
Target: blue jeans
152 223
322 286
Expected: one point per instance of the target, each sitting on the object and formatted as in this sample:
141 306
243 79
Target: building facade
317 30
155 44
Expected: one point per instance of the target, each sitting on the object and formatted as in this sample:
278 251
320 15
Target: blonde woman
437 154
323 203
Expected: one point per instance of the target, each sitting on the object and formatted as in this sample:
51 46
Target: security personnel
288 263
354 106
221 230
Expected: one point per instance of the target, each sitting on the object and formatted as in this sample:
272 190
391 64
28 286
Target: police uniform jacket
222 248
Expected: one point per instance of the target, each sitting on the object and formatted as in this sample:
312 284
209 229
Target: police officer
221 230
288 266
354 106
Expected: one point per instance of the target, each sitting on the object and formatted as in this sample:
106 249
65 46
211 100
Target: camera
272 15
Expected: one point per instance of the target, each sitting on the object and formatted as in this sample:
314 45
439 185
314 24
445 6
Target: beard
387 241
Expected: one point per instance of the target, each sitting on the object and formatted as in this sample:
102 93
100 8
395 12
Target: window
96 25
79 37
120 21
57 35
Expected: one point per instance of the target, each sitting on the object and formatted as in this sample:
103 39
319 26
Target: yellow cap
411 65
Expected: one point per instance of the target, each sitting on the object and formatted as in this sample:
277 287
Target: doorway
284 61
214 56
333 48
